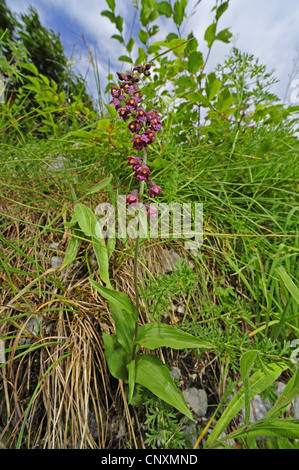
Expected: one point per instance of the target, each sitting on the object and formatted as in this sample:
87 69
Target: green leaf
103 124
109 15
118 37
192 45
72 248
111 110
142 36
246 362
164 8
195 61
224 100
125 58
101 251
119 23
130 44
111 242
87 222
124 327
258 382
118 299
131 368
224 35
152 374
275 427
213 86
178 12
197 97
116 357
221 9
101 185
29 66
210 34
141 56
86 219
288 283
156 335
111 4
290 392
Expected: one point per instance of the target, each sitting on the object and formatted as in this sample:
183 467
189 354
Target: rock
190 434
197 400
33 327
56 262
171 259
54 246
296 407
258 408
176 373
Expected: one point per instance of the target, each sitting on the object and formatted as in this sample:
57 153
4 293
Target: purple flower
129 87
132 198
152 211
139 141
141 114
134 127
124 112
131 103
116 102
150 136
153 114
142 172
135 162
155 124
137 95
154 190
115 91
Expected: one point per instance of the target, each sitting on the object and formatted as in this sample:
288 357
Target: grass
56 391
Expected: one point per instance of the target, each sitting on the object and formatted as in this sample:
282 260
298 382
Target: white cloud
267 29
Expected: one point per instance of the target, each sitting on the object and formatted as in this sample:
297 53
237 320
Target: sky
268 29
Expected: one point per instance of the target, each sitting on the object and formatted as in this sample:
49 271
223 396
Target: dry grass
56 376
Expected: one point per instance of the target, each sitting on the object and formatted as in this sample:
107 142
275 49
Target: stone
54 246
33 327
190 435
258 408
197 400
56 262
176 373
171 259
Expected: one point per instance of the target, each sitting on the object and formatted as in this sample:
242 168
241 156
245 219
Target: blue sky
266 28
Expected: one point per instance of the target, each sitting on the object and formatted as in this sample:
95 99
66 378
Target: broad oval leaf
116 357
152 374
114 297
195 61
246 362
157 335
86 219
125 58
72 247
124 327
210 34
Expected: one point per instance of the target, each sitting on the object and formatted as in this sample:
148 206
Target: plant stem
141 192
